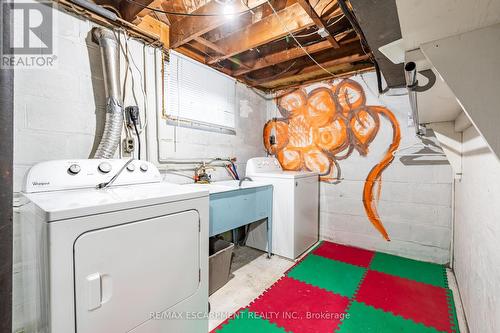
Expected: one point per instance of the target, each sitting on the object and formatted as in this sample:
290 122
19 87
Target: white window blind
198 96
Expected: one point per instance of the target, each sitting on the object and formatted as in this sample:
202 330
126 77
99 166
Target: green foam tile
420 271
453 312
331 275
248 322
362 318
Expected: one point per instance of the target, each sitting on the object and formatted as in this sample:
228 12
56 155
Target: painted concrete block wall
415 202
59 114
477 234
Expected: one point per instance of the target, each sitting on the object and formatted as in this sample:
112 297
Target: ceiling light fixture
228 9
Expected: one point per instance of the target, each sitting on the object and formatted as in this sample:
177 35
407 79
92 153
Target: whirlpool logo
40 183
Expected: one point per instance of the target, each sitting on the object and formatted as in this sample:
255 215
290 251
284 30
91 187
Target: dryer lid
62 205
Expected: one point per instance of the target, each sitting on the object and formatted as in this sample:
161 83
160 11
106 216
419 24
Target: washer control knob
131 167
74 169
144 167
104 167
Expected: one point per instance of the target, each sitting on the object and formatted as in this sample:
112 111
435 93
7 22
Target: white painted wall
59 113
415 205
477 234
455 58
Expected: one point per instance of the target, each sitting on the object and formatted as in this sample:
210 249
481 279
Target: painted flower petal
350 95
316 160
290 159
278 129
321 107
293 104
332 137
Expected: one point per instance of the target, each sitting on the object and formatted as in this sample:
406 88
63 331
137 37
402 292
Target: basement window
197 96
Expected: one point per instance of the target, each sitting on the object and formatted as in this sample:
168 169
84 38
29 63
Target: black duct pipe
355 25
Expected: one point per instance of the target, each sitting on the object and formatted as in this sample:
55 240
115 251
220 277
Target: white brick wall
477 234
59 113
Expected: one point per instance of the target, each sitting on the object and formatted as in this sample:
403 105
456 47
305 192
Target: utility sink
232 206
228 185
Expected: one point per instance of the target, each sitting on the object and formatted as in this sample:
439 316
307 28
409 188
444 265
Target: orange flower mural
320 128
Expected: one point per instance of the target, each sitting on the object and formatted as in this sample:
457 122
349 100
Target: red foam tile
301 308
226 321
348 254
420 302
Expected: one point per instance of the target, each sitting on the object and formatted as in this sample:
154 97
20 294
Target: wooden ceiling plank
191 54
129 10
147 11
295 82
209 44
318 21
190 27
217 49
315 68
157 28
294 18
290 54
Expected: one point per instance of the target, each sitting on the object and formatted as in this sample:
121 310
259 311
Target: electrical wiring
324 8
144 93
138 141
189 14
316 31
298 43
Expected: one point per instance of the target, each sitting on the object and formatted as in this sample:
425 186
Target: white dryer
295 207
132 257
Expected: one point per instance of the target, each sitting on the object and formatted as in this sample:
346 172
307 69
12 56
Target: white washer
132 257
295 207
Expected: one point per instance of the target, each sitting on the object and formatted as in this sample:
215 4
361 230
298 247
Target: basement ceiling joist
256 45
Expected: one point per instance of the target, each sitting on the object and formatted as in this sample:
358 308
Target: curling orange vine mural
325 126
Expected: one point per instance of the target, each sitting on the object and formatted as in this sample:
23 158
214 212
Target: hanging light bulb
229 11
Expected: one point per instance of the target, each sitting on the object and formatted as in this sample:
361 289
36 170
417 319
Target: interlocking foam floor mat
343 289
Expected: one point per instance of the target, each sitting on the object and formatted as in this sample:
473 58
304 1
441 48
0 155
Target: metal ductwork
110 51
411 84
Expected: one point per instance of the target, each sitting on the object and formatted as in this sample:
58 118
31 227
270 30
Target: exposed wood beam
318 21
191 54
305 61
294 18
314 68
209 44
345 71
290 54
190 27
158 5
130 10
157 28
217 49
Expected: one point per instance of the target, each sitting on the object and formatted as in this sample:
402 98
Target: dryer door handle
94 291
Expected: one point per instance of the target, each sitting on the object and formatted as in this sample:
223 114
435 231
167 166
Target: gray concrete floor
252 274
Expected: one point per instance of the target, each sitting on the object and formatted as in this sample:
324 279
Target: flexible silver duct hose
110 51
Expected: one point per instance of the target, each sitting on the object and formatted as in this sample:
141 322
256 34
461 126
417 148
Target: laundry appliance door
127 274
306 206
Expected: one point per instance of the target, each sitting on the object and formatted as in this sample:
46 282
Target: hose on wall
114 105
